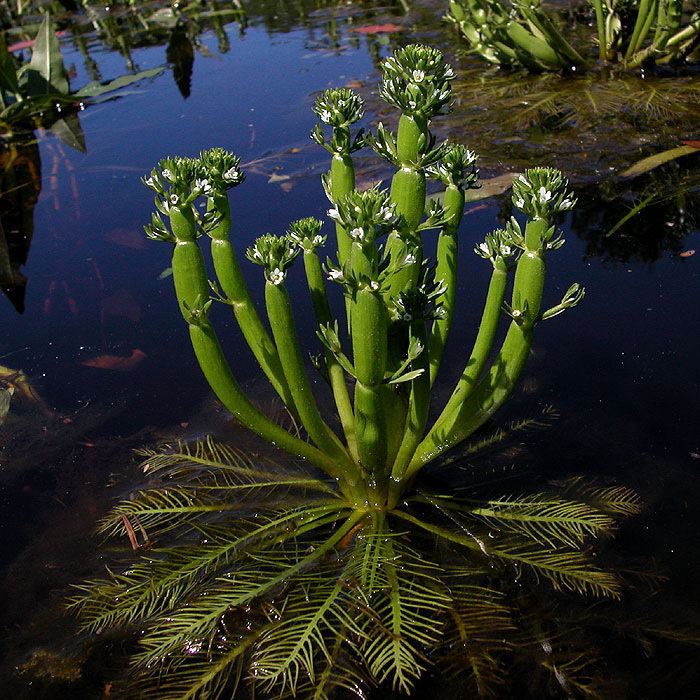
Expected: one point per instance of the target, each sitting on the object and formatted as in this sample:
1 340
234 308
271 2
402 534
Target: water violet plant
629 34
343 567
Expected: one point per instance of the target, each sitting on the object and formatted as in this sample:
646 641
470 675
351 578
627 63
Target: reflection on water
624 377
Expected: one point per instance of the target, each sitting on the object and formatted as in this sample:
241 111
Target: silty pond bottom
105 349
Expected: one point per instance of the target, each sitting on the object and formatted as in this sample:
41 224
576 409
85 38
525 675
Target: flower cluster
339 107
306 233
417 81
366 215
176 181
275 254
221 170
542 192
457 168
497 244
419 302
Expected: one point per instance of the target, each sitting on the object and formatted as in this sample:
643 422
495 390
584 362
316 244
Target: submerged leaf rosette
417 81
542 192
366 215
275 254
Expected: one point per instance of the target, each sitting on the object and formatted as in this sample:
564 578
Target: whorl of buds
419 302
417 81
497 244
366 215
221 170
275 254
177 181
457 168
339 107
306 233
541 193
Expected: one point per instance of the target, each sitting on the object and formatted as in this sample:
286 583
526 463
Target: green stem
602 33
235 289
336 375
342 183
279 311
482 345
417 417
446 272
492 391
191 289
645 9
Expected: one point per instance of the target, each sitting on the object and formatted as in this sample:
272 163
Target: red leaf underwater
379 29
116 362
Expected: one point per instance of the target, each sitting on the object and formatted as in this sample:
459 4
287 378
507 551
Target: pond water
102 342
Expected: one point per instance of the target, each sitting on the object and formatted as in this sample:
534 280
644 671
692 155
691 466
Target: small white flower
520 203
333 214
335 275
407 317
318 240
409 259
566 204
485 247
412 104
358 233
149 182
418 348
440 312
325 116
387 213
276 276
232 175
545 195
506 251
374 285
517 313
523 179
167 175
418 75
174 199
203 186
449 73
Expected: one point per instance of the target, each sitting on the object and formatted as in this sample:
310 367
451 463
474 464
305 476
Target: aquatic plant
40 89
323 573
630 34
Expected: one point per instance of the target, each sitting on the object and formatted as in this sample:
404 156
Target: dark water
621 369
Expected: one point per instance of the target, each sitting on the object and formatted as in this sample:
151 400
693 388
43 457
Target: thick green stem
342 183
369 345
482 345
235 289
600 26
540 50
191 289
646 8
446 273
417 416
336 375
492 391
408 193
279 311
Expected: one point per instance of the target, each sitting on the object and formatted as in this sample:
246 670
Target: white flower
203 186
325 116
358 233
232 174
149 182
412 104
276 276
520 203
566 204
333 214
418 75
505 250
335 275
516 313
409 259
167 175
374 285
174 199
545 195
523 179
387 213
318 240
418 348
485 247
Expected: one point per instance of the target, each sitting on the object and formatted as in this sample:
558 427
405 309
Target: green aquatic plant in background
343 567
629 33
